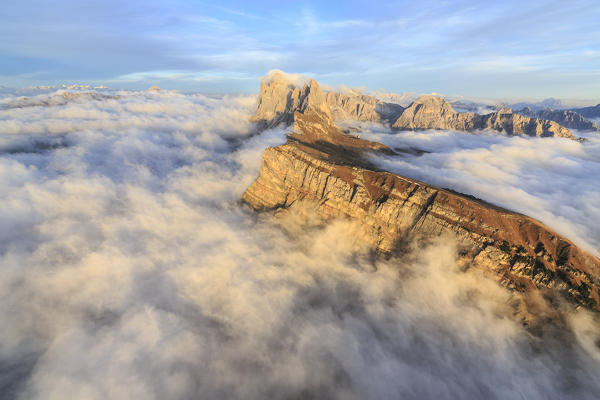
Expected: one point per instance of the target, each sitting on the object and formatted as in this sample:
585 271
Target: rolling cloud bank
129 268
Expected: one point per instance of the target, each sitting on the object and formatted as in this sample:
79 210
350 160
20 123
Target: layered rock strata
322 166
360 107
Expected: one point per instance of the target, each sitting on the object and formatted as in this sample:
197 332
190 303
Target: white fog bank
129 268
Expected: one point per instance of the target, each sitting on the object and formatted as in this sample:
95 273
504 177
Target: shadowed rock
589 112
567 118
323 166
431 112
360 107
519 252
279 99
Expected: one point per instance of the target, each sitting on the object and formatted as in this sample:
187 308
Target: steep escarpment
430 112
351 105
589 112
322 166
279 98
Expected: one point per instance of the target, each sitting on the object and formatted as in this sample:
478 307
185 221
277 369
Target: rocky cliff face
279 98
325 168
567 118
58 99
589 112
430 112
360 107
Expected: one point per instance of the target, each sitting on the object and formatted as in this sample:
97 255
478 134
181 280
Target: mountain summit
325 168
430 112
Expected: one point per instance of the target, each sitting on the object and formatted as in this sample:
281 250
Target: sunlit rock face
131 269
322 165
280 97
430 112
589 112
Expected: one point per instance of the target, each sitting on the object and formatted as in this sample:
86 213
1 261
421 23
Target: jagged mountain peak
433 112
281 97
430 104
325 167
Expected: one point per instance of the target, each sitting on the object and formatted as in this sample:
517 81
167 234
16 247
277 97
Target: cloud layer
537 49
130 269
554 180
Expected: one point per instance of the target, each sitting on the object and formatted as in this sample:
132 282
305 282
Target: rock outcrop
567 118
322 166
431 112
57 99
514 124
279 98
589 112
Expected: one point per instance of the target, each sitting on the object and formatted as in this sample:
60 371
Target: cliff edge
323 166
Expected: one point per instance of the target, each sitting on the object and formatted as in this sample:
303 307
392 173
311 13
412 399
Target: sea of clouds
554 180
129 268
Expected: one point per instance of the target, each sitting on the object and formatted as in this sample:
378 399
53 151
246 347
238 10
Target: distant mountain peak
325 168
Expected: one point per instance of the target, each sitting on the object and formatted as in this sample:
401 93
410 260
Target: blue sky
499 49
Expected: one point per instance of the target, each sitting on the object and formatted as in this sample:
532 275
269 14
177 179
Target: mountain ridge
325 168
430 112
568 118
279 98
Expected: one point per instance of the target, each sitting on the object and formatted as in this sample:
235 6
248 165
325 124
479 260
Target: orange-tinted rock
322 165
